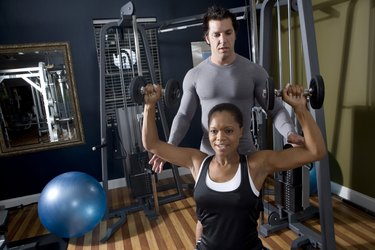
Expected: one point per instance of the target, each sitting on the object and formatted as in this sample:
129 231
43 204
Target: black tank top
229 219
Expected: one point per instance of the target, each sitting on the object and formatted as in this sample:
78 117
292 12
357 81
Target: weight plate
294 5
317 92
136 89
270 94
172 93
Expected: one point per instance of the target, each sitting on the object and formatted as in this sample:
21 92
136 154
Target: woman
228 184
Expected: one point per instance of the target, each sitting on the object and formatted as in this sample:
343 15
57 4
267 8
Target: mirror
38 101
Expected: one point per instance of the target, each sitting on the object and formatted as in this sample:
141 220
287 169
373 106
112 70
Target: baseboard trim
112 184
20 201
353 196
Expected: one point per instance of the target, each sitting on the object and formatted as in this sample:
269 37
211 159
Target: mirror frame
79 138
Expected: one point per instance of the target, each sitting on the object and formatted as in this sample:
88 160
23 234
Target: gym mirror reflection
39 108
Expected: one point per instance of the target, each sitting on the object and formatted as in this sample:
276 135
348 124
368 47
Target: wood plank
167 237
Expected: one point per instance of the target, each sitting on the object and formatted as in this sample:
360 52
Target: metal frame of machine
129 121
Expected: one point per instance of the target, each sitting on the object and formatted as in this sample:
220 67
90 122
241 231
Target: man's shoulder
199 67
245 62
203 63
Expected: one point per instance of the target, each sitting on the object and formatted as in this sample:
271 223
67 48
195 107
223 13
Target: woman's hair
218 13
229 107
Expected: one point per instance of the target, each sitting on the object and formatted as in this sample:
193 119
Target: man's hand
295 139
157 164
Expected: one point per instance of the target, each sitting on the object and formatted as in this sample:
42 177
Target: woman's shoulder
258 159
257 165
199 158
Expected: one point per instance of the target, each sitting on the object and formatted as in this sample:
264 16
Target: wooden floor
175 226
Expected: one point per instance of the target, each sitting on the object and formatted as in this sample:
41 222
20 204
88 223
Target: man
224 77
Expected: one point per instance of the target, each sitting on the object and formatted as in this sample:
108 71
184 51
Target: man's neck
224 61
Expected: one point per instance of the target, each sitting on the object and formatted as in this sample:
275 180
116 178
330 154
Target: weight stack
288 189
293 198
140 178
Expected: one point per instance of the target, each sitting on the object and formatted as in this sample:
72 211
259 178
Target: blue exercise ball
313 181
71 204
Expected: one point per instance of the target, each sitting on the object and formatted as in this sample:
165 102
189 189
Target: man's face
221 38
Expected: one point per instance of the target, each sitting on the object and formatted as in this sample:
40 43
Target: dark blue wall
39 21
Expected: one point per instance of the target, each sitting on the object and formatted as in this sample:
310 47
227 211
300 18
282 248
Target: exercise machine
51 112
287 218
123 50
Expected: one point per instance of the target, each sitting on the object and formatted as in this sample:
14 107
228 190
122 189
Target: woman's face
224 133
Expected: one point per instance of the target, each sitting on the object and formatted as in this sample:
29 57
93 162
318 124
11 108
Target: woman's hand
293 95
157 163
152 93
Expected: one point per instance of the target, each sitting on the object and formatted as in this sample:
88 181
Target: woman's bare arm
184 157
314 149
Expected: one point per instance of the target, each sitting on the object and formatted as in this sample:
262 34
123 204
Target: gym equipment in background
71 204
51 112
294 220
46 241
120 113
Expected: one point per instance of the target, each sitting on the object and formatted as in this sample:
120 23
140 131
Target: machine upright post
265 36
128 22
323 176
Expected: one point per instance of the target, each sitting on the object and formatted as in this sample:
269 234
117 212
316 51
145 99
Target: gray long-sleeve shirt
239 83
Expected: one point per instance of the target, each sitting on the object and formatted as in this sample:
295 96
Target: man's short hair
218 13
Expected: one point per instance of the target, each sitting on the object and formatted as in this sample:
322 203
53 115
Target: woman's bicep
180 156
287 159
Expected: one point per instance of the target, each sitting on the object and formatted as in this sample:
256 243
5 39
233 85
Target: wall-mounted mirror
39 108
